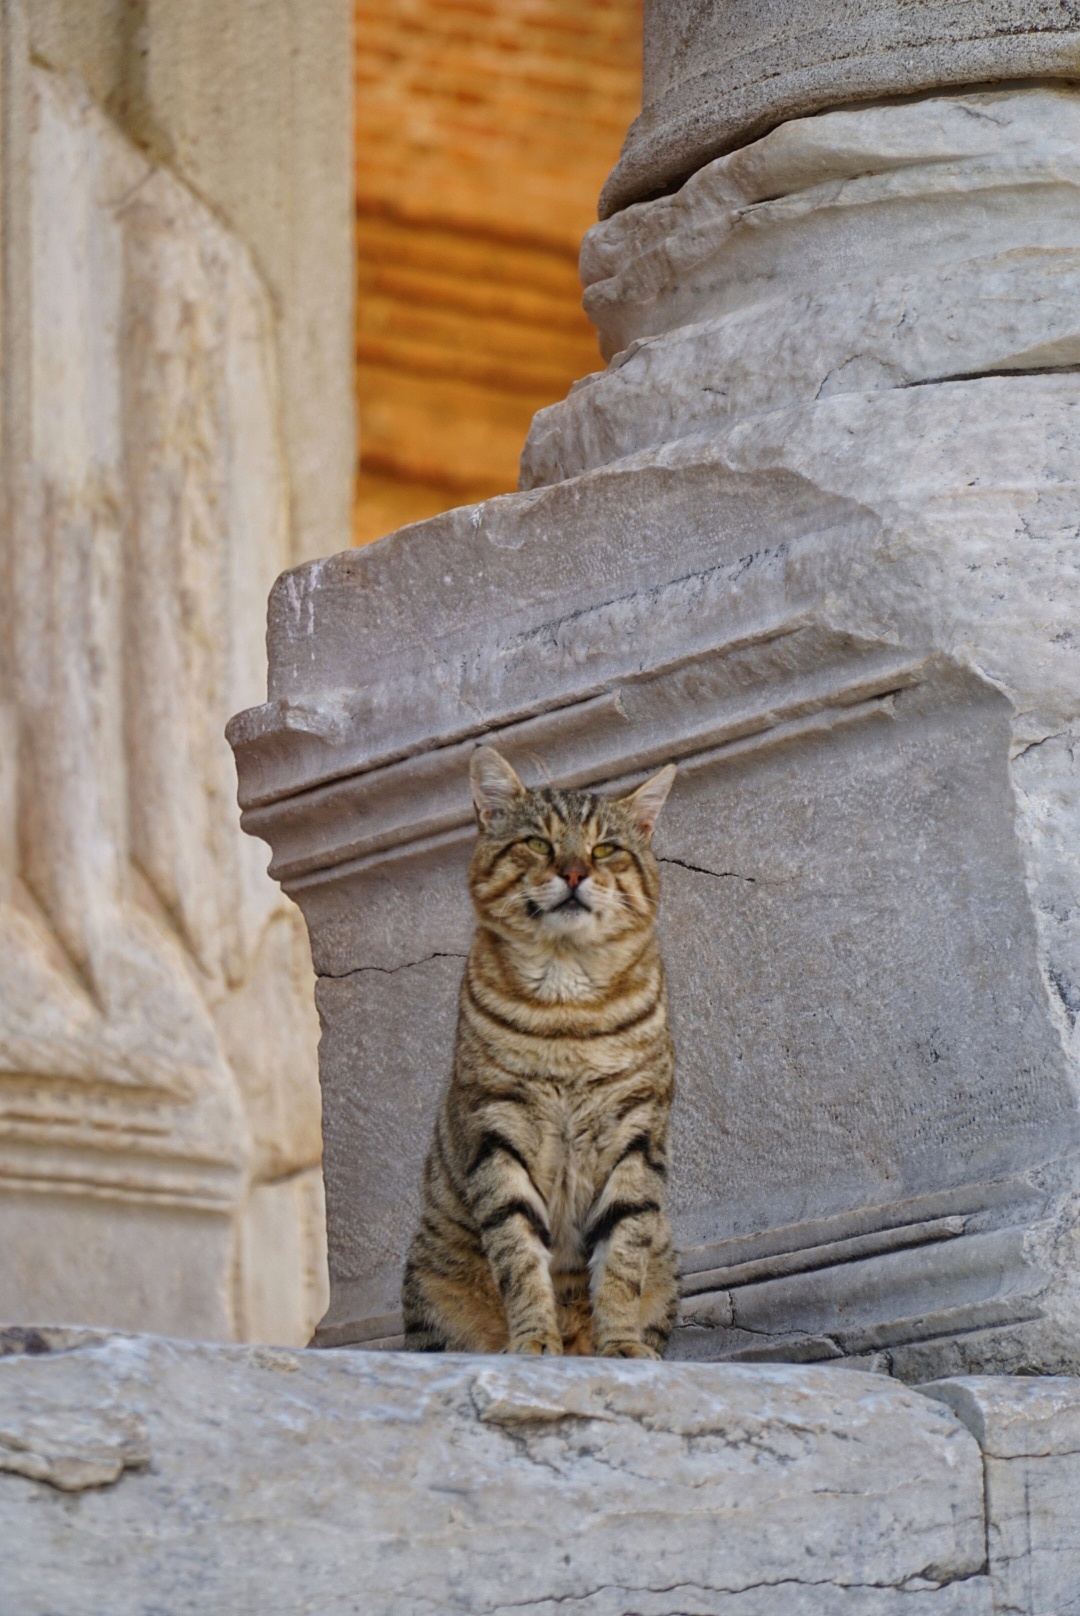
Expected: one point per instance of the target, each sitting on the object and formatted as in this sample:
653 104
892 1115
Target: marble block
1029 1432
852 252
871 1053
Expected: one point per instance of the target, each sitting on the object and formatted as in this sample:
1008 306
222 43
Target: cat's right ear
494 784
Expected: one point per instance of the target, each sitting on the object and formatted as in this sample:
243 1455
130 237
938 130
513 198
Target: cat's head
563 864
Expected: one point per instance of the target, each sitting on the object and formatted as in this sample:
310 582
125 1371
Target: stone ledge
141 1475
148 1475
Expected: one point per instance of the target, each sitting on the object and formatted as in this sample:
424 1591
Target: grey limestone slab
139 1476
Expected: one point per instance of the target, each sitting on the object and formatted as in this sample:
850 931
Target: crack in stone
649 594
526 1435
1012 1458
905 1584
700 869
782 1339
392 970
1032 746
1004 373
520 1439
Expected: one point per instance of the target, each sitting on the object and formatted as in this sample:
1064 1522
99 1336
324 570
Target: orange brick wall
485 129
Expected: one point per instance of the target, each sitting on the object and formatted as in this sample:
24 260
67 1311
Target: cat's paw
627 1349
538 1346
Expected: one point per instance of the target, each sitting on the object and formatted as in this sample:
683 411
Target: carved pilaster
155 1032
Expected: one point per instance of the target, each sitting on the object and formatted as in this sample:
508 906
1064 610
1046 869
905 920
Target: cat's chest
560 979
571 1151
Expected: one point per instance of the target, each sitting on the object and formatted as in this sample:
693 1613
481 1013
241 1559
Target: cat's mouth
572 901
569 905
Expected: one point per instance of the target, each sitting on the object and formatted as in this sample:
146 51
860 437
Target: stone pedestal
812 536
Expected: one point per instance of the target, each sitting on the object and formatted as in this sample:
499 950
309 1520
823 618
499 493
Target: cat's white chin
568 919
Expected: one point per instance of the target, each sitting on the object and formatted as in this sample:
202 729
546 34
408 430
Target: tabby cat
543 1229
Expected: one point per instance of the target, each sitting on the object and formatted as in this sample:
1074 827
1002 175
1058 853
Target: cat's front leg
512 1218
632 1265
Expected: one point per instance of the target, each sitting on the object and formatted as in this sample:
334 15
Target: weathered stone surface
853 252
279 1482
717 73
1029 1432
156 1031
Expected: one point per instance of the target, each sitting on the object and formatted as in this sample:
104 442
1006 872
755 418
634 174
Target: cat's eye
603 850
538 844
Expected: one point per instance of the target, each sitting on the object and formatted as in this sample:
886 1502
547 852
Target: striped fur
543 1228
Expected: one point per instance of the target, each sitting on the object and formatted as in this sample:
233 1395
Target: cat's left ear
644 804
494 784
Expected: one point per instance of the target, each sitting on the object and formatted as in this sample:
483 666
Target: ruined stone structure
812 536
176 428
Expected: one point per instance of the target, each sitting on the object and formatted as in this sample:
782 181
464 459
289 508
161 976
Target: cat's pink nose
573 874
